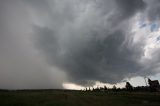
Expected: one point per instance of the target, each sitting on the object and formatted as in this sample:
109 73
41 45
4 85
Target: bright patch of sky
147 31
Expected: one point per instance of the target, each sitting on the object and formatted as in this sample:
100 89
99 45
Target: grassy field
78 98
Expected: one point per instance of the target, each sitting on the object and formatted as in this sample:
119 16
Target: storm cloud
82 41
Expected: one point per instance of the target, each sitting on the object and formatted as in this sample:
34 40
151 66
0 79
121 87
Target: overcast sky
49 43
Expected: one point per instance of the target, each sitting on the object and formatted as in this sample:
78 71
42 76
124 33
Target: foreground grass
77 98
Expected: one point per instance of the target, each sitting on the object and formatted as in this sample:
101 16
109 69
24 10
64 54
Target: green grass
77 98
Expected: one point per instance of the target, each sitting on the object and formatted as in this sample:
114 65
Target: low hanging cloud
88 41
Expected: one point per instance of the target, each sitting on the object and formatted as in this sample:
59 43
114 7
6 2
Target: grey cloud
130 7
88 53
125 9
101 59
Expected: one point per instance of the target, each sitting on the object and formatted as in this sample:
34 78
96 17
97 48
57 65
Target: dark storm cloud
101 59
88 53
126 9
129 7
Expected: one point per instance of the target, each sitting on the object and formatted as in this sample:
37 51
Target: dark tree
129 87
105 88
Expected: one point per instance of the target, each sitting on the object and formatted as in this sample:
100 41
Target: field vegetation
78 98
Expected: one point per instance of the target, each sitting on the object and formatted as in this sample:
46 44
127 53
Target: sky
72 44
